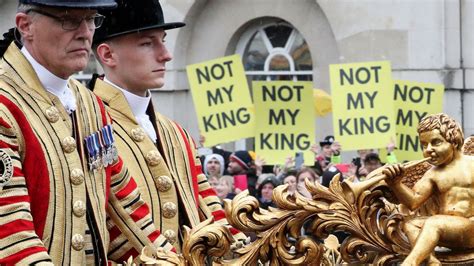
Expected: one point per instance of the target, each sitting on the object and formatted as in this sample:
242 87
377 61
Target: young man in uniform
61 180
133 54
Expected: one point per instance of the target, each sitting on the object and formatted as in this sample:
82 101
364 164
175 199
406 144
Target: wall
426 40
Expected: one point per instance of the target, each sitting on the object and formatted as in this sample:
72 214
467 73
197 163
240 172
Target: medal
98 155
90 152
114 152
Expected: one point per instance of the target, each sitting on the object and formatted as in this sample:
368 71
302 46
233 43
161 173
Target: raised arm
412 198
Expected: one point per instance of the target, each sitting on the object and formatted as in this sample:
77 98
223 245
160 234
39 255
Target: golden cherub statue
449 182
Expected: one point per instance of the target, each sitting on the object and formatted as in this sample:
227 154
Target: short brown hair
447 126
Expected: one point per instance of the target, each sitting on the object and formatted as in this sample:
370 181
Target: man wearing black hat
59 170
240 163
330 153
133 54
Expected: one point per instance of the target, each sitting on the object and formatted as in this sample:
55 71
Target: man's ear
23 24
106 55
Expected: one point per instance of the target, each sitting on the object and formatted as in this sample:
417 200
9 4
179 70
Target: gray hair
23 8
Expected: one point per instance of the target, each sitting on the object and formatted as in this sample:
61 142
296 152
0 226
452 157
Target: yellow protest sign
285 118
413 101
222 100
362 103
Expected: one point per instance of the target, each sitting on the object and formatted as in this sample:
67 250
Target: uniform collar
114 98
52 83
137 104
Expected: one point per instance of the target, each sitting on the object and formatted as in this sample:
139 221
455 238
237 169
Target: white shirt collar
138 104
52 83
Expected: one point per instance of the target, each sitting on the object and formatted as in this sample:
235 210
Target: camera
356 162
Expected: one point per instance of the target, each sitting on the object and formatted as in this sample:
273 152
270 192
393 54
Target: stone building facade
425 40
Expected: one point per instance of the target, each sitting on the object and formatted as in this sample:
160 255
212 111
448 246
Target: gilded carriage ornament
381 215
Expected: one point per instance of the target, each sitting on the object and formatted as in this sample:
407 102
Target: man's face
140 60
326 149
63 52
371 165
434 145
267 191
213 167
235 168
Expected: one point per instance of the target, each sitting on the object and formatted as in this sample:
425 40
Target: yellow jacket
168 173
47 189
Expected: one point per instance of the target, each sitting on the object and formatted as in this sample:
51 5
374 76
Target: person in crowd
328 175
329 154
361 170
241 164
371 162
289 177
301 176
265 191
225 188
214 169
263 177
214 165
62 182
213 182
280 169
158 150
216 149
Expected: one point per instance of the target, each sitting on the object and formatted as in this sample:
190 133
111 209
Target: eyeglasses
71 23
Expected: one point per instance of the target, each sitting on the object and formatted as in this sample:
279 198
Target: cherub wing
413 174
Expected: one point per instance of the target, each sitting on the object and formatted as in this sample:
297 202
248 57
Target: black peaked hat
133 16
93 4
328 140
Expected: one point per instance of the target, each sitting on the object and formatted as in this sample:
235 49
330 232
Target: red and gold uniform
168 172
46 202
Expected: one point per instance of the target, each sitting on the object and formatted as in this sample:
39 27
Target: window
277 51
272 49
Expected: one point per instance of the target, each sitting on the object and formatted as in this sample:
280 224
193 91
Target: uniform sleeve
130 223
209 203
19 243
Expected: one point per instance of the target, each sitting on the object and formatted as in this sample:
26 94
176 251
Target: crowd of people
229 173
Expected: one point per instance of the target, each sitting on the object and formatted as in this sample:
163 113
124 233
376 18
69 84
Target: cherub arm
412 198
